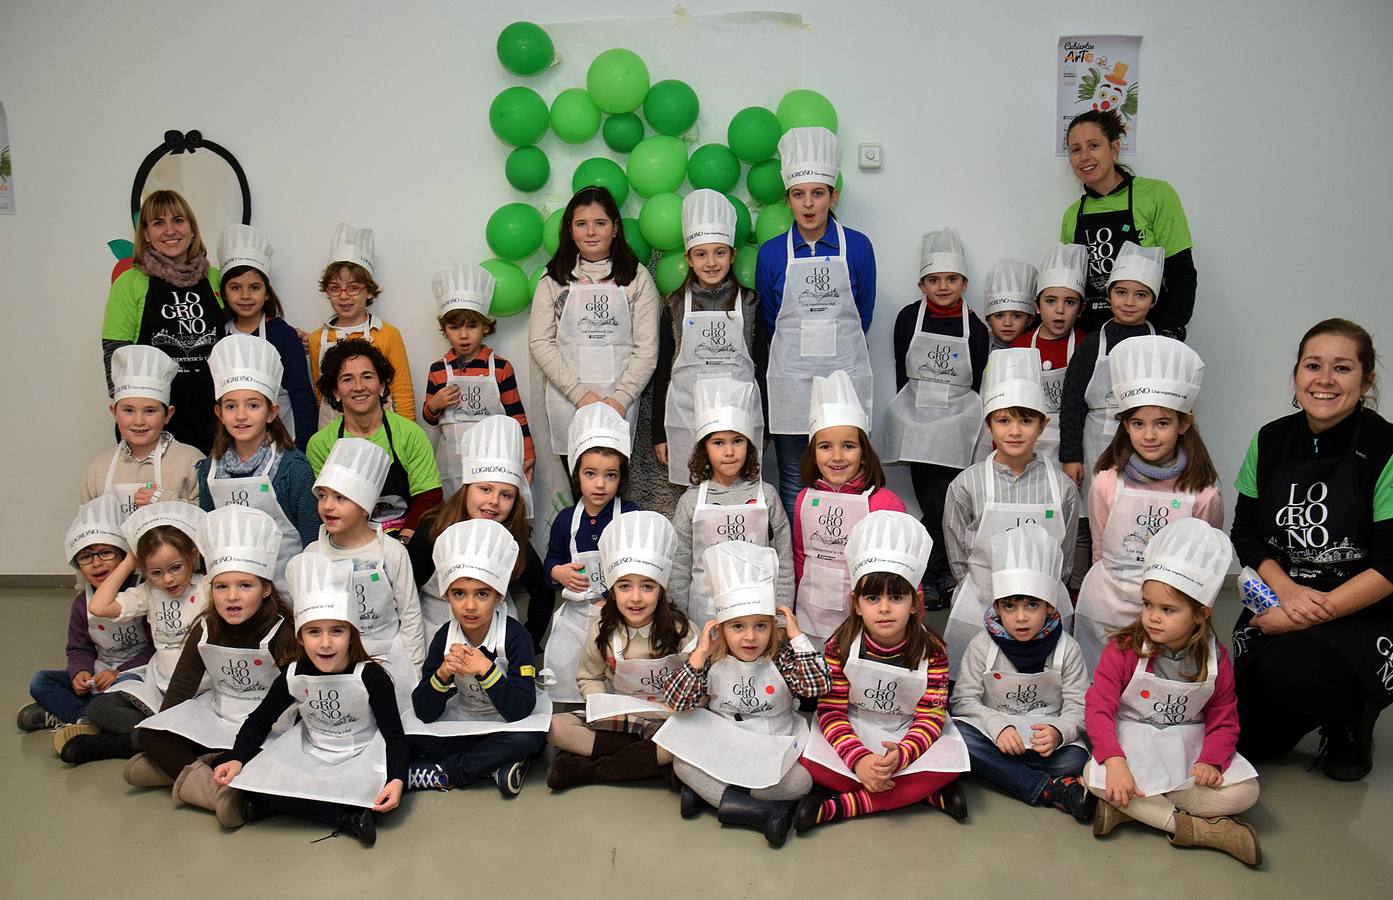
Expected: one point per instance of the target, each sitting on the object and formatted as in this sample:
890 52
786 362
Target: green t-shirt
1247 482
411 443
1156 210
125 303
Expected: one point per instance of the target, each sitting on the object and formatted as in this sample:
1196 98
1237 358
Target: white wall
1274 128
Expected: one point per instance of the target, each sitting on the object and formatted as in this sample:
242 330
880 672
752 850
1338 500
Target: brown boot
196 787
1237 839
634 762
608 743
142 772
1107 817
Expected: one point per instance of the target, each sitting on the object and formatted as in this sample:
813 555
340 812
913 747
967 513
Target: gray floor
84 833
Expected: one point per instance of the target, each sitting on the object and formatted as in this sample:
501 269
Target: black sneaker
33 717
427 777
509 778
1347 748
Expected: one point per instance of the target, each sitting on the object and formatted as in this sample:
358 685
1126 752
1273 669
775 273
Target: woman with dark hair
1315 520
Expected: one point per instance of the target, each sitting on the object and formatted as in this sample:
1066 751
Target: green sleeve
1383 494
125 303
1168 227
215 280
417 457
1247 480
1069 224
322 441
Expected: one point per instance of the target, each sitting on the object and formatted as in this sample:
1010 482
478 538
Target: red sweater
882 498
1055 352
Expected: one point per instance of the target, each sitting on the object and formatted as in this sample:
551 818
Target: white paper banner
7 178
1100 72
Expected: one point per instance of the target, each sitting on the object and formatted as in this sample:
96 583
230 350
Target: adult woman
1315 519
170 299
1117 207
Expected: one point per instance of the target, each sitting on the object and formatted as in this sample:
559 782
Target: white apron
118 641
638 684
824 593
287 413
379 624
1100 424
479 399
436 614
170 619
125 491
570 623
818 329
362 332
1052 380
256 491
595 335
713 523
1025 700
937 416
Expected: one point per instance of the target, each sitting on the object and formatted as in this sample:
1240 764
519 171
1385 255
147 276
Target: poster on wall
7 177
1098 71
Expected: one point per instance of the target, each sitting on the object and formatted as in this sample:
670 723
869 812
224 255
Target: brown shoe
68 732
1107 817
142 772
1237 839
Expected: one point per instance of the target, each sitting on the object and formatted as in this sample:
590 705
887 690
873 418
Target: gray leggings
116 713
795 784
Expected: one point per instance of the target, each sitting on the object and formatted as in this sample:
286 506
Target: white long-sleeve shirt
397 565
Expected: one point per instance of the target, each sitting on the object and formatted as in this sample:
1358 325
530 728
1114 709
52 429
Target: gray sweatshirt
967 702
741 492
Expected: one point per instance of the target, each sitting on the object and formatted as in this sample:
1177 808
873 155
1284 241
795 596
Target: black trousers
541 599
1295 684
931 490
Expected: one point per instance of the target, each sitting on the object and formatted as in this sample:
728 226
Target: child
727 500
349 284
1155 471
816 285
346 757
165 541
1058 300
238 644
1011 486
470 382
254 462
254 308
148 464
884 739
478 710
599 449
1018 700
844 481
632 647
935 420
1008 300
99 650
384 588
1171 762
735 747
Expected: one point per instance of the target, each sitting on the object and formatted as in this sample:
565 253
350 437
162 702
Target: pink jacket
1209 504
884 498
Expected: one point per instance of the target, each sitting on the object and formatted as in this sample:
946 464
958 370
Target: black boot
772 817
805 813
692 803
360 824
1347 748
255 808
85 748
951 800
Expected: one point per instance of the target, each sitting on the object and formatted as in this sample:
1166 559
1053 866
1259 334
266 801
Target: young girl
238 644
1162 714
1058 300
884 739
1018 700
478 710
737 736
935 420
1155 471
470 382
599 449
349 284
254 461
254 308
844 482
593 327
633 646
99 650
165 537
1008 300
346 757
147 464
727 500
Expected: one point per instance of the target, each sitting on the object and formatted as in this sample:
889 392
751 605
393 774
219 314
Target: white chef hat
834 403
481 549
1012 378
1191 556
463 287
889 541
809 154
638 543
179 514
724 404
707 218
356 468
1152 370
598 425
1027 562
1135 263
742 579
492 450
246 362
98 521
139 370
1010 287
241 539
243 245
1063 266
942 251
322 588
355 245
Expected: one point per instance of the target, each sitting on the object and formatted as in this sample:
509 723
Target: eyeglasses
342 290
86 557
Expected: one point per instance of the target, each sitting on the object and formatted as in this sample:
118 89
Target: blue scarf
1027 656
232 466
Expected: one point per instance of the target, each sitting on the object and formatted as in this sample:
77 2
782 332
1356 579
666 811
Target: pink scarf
180 274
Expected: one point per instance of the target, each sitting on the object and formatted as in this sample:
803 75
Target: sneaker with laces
33 717
427 777
509 778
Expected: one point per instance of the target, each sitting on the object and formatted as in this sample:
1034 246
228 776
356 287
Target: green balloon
514 230
657 165
551 232
602 172
633 236
765 182
671 107
525 49
574 116
510 293
801 108
745 265
671 271
743 222
713 166
617 81
518 115
535 280
527 169
623 131
660 221
754 134
773 221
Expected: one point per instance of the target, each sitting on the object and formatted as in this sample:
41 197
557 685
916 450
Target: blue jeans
789 449
467 758
1024 776
53 690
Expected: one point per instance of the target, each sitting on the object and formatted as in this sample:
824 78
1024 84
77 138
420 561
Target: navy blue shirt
587 535
773 260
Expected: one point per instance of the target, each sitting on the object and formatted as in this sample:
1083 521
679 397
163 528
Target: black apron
1103 233
395 497
185 323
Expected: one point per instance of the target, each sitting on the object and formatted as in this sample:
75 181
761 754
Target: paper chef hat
175 513
355 245
942 251
356 468
1010 287
322 588
742 579
243 245
598 425
493 451
638 543
1012 378
139 370
1191 556
809 155
1135 263
1026 561
241 539
246 362
481 549
835 403
707 218
1152 370
98 521
463 287
1063 266
724 404
889 541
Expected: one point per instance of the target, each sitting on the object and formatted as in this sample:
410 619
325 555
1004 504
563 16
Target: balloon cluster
617 88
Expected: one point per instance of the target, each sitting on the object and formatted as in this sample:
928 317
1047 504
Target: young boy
1008 301
470 382
1058 300
1011 486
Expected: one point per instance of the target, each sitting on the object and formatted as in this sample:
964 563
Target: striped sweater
507 388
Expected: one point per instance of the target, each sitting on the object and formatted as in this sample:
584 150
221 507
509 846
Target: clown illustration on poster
1100 72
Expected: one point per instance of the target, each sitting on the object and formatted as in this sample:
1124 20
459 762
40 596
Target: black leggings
931 490
541 598
321 811
173 752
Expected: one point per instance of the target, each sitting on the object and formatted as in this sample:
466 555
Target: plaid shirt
801 665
